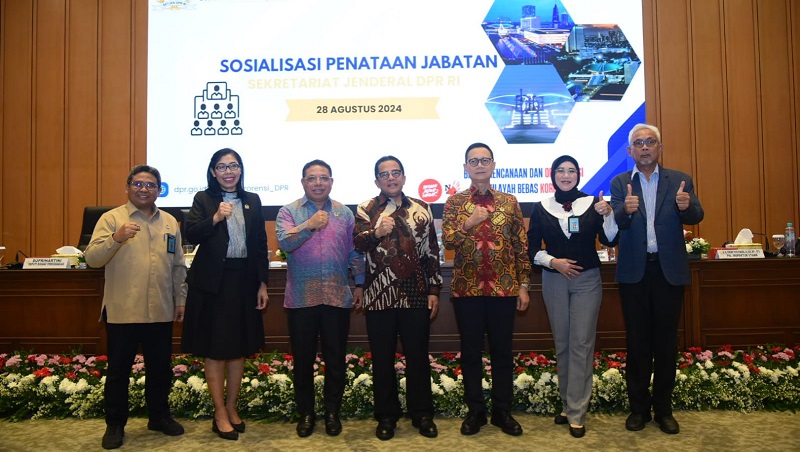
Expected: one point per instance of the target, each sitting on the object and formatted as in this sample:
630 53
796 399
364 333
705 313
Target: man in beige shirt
140 248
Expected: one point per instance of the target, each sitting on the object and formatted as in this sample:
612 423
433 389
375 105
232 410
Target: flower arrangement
695 245
58 386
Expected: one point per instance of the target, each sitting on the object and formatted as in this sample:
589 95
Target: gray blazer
669 221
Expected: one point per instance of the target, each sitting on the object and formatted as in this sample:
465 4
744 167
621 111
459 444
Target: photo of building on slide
529 104
595 61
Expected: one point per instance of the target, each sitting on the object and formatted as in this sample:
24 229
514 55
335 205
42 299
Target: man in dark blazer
651 205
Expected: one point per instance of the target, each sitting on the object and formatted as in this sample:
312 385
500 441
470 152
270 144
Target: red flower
725 348
614 364
684 365
71 375
754 369
95 373
747 359
457 371
101 359
31 359
64 360
622 355
519 370
264 369
368 355
542 360
43 372
287 357
449 356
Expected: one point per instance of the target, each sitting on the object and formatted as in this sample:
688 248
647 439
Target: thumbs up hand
682 198
631 202
602 206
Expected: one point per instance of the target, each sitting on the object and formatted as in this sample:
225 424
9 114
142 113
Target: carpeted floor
700 431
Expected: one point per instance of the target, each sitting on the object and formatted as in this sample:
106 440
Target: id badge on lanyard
574 225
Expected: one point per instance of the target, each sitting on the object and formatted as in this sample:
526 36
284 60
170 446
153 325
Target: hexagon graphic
595 62
598 63
529 104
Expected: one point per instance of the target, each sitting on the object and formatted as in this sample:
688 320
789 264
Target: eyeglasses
485 161
221 167
394 173
315 179
569 171
650 142
140 185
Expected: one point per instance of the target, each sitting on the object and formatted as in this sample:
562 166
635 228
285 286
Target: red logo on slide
430 190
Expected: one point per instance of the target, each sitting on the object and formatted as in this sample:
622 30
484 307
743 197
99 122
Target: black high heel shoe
232 435
238 427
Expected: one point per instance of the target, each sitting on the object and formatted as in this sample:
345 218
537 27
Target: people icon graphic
222 130
216 114
210 129
236 130
203 114
196 130
216 94
230 114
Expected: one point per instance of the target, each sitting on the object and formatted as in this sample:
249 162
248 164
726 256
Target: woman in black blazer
227 284
569 224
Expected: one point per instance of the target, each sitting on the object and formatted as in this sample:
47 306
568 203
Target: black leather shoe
636 422
333 426
112 439
240 427
305 427
668 424
426 427
385 429
165 425
232 435
560 419
507 423
473 422
577 432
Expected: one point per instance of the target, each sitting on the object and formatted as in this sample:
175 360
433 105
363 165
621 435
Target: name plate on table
41 263
740 253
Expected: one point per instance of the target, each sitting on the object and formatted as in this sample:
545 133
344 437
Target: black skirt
225 325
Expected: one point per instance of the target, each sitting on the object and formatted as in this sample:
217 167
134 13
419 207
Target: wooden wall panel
48 131
675 89
17 54
708 60
776 115
116 79
82 175
743 112
722 82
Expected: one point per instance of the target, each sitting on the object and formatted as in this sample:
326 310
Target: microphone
16 264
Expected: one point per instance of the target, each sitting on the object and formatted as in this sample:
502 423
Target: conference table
739 302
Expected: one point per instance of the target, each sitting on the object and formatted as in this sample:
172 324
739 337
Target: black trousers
307 326
413 327
652 309
123 341
494 316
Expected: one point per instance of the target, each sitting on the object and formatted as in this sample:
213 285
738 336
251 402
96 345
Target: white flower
363 379
523 381
255 383
83 385
485 384
196 383
67 387
281 379
612 375
447 383
319 379
714 376
708 364
403 384
689 248
140 381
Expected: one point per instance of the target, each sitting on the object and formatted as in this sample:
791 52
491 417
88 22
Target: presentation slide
284 82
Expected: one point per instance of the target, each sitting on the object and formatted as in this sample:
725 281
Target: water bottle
789 239
441 246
